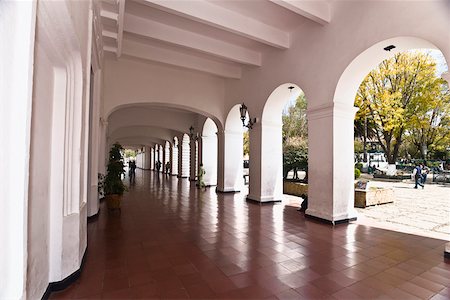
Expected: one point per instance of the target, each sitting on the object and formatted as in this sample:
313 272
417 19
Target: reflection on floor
174 241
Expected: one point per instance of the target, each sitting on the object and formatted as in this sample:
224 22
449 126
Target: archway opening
403 107
167 160
175 156
271 183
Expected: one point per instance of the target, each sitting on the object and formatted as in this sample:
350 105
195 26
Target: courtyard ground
424 212
420 211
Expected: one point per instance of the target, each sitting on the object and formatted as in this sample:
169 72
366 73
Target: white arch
209 151
368 60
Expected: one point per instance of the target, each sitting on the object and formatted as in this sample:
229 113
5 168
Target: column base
227 190
262 200
447 250
330 219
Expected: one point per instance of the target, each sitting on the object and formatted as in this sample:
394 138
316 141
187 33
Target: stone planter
364 197
295 188
373 196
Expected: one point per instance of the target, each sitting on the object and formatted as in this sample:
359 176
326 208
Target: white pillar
331 163
17 29
185 157
103 151
266 162
175 159
230 161
193 160
446 76
93 201
152 158
209 159
166 156
147 158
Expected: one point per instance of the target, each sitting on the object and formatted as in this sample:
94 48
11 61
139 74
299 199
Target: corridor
174 241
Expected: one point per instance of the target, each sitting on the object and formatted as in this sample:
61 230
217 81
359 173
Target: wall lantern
243 111
193 135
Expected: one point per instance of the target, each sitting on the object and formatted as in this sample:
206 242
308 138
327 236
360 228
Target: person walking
168 168
417 175
425 171
201 177
132 171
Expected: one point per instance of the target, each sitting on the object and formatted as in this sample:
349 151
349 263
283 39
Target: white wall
94 162
59 144
131 82
40 175
17 27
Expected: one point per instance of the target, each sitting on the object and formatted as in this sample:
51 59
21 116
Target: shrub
359 166
113 183
357 173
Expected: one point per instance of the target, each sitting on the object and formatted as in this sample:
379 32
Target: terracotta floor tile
416 290
310 291
173 241
346 294
289 294
427 284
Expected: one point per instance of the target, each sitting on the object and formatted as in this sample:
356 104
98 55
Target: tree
295 157
295 123
397 97
431 126
295 137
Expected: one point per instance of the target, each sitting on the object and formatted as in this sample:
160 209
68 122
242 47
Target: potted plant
113 185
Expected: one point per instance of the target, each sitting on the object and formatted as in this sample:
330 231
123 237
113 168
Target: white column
167 154
17 29
103 151
331 163
185 157
446 76
193 160
209 159
93 201
152 158
147 158
266 162
230 161
175 160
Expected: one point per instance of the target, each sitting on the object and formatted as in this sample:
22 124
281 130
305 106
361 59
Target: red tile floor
173 241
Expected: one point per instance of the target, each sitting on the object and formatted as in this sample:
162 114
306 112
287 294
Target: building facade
77 76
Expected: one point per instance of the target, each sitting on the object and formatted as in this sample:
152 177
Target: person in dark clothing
132 172
417 174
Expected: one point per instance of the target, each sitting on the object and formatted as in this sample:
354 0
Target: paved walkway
420 211
174 241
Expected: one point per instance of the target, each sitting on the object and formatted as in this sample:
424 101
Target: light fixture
193 135
291 88
243 111
389 48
